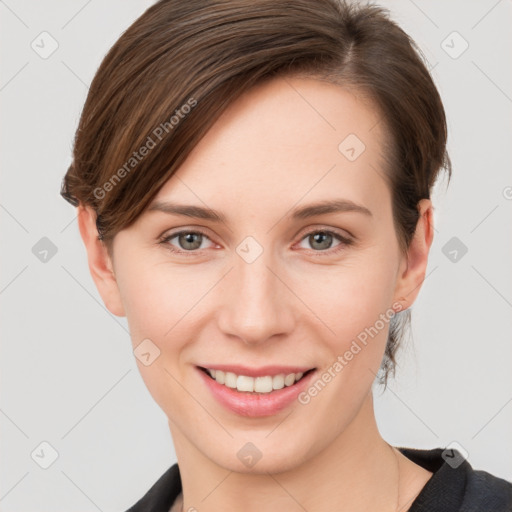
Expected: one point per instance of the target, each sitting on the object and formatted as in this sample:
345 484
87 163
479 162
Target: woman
253 187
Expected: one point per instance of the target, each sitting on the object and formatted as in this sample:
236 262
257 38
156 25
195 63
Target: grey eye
320 240
190 241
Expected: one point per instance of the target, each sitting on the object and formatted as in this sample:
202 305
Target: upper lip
262 371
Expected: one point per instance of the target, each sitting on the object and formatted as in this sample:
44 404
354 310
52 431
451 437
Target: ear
100 263
414 264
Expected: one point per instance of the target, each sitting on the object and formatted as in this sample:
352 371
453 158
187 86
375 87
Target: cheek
156 299
356 304
353 296
159 306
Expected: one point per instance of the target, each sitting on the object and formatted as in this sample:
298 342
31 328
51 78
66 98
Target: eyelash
344 242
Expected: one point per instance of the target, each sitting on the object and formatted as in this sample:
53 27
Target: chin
275 464
261 457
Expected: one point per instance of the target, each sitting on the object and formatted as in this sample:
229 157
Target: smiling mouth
255 385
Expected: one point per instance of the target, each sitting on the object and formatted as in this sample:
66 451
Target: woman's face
269 290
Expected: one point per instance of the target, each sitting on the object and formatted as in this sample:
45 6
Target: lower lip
255 404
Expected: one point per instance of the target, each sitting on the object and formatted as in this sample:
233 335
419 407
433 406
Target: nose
256 304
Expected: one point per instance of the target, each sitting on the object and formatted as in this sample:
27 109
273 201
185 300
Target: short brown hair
181 64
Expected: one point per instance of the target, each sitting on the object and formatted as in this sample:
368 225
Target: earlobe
414 267
100 262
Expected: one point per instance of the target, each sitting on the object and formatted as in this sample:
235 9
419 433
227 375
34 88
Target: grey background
68 375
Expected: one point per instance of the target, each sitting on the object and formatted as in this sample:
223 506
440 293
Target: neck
357 472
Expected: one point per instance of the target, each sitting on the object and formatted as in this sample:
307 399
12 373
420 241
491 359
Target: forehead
286 139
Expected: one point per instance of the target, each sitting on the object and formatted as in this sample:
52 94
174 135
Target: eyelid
344 239
306 231
342 233
167 235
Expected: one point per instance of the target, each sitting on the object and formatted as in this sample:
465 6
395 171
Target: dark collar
450 489
455 486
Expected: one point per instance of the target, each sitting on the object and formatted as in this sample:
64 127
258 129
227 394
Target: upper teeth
264 384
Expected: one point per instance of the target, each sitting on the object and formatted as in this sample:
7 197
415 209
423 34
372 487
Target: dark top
454 486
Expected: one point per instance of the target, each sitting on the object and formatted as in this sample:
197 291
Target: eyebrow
304 212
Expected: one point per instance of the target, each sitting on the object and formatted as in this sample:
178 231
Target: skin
298 303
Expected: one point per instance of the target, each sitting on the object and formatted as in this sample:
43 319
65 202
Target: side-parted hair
174 71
